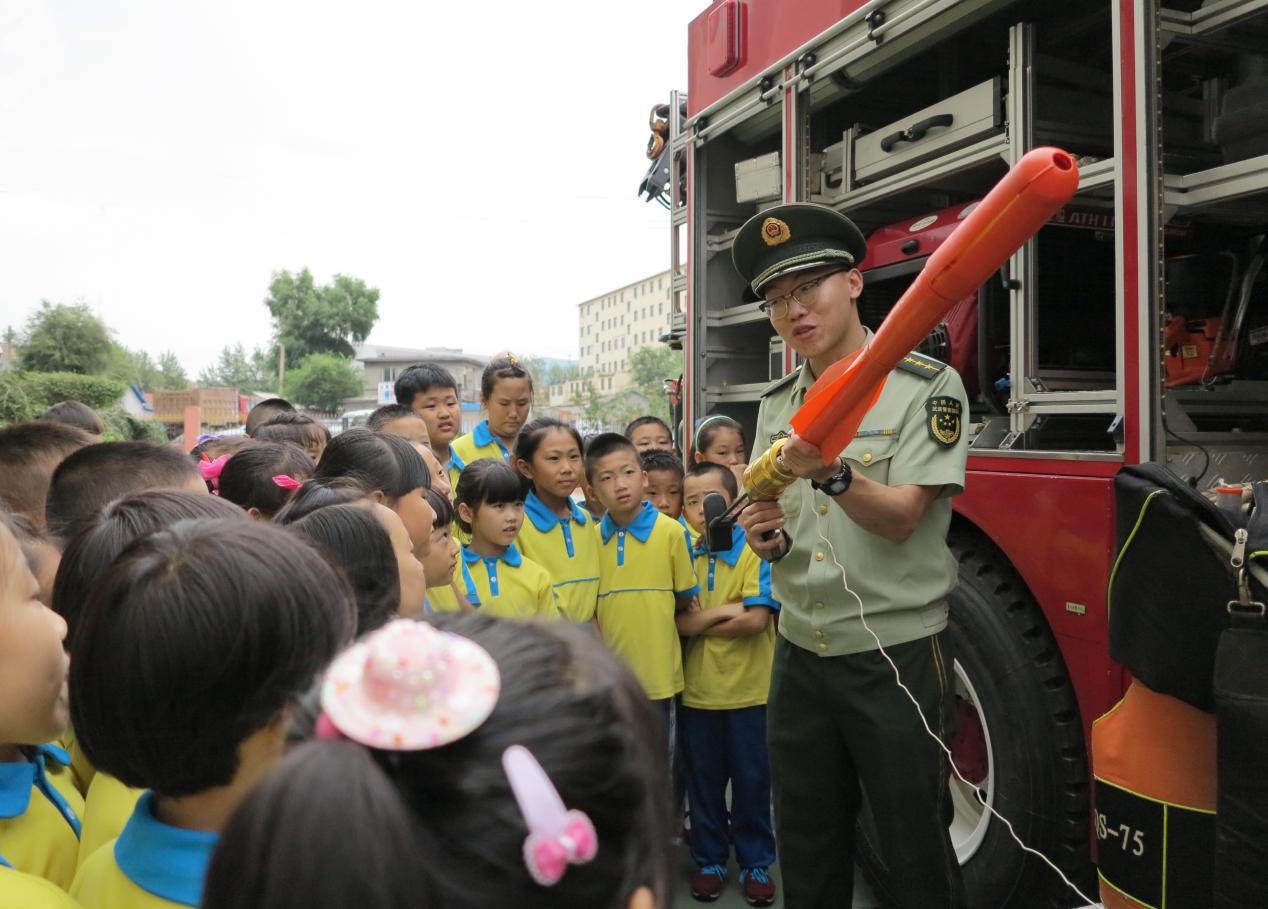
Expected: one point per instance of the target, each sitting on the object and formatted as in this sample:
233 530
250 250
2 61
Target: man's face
816 329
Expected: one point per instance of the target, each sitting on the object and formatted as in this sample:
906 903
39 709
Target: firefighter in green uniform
839 726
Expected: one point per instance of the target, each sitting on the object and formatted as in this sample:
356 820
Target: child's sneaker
757 887
707 882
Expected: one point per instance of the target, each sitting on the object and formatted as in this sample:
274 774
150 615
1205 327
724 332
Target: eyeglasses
805 294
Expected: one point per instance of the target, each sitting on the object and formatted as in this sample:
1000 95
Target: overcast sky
475 161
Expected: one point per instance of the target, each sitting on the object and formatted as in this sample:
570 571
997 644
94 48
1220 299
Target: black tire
1003 644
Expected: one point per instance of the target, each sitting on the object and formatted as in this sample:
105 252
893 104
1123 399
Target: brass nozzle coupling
767 477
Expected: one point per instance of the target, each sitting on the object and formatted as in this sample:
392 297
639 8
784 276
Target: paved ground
731 898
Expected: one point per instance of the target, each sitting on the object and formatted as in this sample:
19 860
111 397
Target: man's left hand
806 461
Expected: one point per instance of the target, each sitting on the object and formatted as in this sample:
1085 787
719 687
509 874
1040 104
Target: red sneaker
707 883
757 887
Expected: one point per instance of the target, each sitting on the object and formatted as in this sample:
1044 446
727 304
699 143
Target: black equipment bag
1241 706
1169 589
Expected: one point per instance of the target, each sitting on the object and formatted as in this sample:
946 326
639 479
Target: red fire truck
1134 327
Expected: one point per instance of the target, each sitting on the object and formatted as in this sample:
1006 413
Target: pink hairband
286 481
210 471
411 687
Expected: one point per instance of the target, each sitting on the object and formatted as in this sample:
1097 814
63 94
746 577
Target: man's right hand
758 519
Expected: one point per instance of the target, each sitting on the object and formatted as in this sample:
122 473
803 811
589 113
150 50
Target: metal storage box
759 179
952 123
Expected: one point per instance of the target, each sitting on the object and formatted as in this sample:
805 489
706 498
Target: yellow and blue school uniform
454 466
40 811
508 585
107 807
477 444
568 548
643 569
30 892
150 866
722 723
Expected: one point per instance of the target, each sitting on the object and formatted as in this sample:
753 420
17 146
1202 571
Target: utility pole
281 368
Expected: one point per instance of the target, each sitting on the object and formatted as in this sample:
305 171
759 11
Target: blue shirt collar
640 527
730 556
484 436
18 778
454 461
511 557
546 520
169 862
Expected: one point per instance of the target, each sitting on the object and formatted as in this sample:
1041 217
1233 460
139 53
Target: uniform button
823 509
818 634
818 556
867 456
823 646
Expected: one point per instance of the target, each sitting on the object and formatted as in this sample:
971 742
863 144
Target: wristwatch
838 483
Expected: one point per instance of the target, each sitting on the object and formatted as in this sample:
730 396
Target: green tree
308 319
65 338
649 368
235 368
171 375
322 382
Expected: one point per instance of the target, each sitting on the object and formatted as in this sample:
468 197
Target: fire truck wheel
1019 743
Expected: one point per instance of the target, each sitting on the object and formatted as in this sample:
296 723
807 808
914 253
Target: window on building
389 373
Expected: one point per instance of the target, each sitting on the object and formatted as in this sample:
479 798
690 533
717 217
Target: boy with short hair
298 429
727 669
645 574
94 476
399 420
664 481
29 453
650 433
432 393
265 411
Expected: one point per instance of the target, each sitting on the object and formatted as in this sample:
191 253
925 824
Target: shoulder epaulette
920 365
779 383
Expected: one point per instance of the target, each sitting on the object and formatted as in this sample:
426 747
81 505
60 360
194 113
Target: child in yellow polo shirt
645 572
441 561
497 577
432 393
558 534
30 892
731 643
231 621
506 394
40 808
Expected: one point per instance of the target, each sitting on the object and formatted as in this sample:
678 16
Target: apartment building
616 324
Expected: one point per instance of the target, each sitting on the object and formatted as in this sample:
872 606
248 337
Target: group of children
399 666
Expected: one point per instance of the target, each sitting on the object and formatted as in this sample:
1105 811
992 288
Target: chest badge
945 415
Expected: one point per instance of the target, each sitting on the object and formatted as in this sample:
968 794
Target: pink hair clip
286 481
557 837
408 687
210 471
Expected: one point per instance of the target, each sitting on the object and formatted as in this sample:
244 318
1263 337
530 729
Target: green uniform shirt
912 436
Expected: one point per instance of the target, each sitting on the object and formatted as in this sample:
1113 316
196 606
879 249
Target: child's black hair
198 637
442 506
387 413
647 420
659 459
77 414
508 367
379 462
354 542
90 552
532 433
602 445
364 842
573 705
29 454
724 473
488 481
217 446
709 428
297 428
320 492
265 411
419 379
246 480
93 477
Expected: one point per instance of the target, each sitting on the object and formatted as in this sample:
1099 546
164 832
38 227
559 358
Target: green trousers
839 727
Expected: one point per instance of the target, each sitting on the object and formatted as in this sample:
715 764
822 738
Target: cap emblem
775 232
